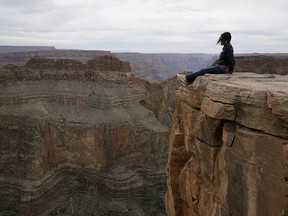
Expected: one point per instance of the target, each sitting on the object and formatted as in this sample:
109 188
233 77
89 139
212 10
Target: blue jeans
210 70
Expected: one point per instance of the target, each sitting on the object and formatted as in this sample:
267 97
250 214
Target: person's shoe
182 78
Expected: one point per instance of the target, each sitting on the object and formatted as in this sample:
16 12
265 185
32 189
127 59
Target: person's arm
230 58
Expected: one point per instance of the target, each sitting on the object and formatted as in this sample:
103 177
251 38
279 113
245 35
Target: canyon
83 139
99 133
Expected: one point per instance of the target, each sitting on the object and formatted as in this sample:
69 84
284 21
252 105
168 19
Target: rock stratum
228 150
263 64
83 139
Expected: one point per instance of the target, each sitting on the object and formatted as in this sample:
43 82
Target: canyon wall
83 139
262 64
228 150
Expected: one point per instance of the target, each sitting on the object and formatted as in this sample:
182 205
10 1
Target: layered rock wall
82 139
262 64
228 150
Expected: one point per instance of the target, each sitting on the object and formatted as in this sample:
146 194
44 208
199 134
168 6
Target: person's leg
211 70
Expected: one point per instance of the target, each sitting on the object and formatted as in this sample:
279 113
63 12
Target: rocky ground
228 147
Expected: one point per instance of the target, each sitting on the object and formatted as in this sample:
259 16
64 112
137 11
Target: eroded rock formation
263 64
228 150
83 139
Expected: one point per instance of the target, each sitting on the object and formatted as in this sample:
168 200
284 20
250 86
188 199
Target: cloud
145 25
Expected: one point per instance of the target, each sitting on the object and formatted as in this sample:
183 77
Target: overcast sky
147 26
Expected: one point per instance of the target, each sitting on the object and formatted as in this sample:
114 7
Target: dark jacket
227 57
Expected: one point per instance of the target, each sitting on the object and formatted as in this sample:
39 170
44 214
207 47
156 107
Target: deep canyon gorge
86 135
83 139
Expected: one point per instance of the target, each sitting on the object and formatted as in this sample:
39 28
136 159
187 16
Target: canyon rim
94 139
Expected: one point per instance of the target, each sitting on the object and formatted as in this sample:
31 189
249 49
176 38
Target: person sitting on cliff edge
224 64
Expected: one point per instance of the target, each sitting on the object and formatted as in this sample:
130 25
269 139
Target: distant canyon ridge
150 66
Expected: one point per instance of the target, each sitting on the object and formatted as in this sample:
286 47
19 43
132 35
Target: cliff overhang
228 147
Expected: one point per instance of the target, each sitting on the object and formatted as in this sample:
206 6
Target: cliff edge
228 147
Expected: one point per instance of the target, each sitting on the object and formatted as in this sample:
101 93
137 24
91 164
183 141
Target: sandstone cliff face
83 139
228 150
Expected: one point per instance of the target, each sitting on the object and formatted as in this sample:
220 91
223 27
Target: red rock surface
228 147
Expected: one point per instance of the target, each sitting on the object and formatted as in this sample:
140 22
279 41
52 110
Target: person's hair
225 36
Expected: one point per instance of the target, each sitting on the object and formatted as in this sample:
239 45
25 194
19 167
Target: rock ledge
228 149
